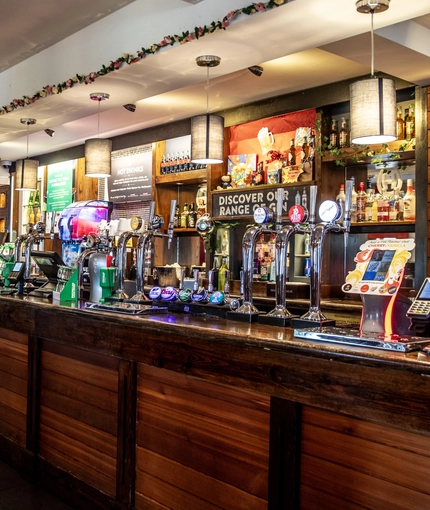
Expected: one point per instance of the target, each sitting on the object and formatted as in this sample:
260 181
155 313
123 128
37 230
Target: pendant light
26 169
373 101
207 131
98 150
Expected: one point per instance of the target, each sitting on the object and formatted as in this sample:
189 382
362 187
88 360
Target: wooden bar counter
185 412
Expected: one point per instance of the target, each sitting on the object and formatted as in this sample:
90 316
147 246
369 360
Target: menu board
131 176
59 188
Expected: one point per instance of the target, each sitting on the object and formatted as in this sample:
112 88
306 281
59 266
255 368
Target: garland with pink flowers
127 58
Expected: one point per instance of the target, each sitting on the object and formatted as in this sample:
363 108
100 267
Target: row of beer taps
302 222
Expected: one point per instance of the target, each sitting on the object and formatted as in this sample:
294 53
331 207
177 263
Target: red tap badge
297 214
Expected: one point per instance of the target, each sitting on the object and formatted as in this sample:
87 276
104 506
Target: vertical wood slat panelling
13 385
428 182
78 419
199 444
353 464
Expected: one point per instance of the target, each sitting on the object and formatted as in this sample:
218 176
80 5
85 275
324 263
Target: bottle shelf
378 151
187 231
190 177
382 226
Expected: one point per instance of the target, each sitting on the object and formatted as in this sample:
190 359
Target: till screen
378 265
17 266
425 291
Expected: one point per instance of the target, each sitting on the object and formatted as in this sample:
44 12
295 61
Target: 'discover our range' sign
241 203
131 176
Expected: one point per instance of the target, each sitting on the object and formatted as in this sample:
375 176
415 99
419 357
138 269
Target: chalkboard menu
131 177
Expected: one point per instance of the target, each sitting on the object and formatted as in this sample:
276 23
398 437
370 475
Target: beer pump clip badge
380 266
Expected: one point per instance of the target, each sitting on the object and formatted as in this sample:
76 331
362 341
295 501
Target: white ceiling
302 44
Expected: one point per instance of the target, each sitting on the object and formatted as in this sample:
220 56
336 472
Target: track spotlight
256 70
130 107
50 132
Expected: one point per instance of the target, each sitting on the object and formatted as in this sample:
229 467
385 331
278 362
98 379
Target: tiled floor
18 494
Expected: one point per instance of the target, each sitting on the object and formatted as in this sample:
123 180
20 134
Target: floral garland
127 58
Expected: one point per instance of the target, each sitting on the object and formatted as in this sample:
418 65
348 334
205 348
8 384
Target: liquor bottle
37 199
265 267
225 250
353 202
376 198
410 124
192 216
340 199
177 218
344 134
400 124
298 199
305 150
163 165
31 200
370 197
409 202
292 153
400 205
222 274
334 136
361 203
184 216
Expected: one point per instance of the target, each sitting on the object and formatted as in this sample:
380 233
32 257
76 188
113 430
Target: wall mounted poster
59 188
131 177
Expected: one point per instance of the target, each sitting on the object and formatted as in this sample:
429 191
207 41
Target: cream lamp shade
207 139
373 101
98 157
98 150
373 111
26 174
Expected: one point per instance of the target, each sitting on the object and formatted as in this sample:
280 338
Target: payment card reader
419 311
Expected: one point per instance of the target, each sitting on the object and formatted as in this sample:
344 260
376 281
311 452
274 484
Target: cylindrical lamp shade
26 174
98 157
207 139
373 111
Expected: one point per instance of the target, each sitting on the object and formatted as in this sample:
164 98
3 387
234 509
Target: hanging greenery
127 58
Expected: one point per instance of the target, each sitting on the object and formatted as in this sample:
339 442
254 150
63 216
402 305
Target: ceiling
300 45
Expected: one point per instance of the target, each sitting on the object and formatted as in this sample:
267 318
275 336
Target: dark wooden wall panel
13 385
200 445
349 463
78 419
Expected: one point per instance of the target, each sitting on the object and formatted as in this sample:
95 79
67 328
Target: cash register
48 262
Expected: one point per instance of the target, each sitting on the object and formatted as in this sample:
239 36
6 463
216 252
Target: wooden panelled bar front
174 411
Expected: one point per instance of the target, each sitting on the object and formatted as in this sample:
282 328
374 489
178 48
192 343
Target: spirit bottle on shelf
361 203
344 134
305 150
334 135
410 124
400 124
370 197
184 216
409 202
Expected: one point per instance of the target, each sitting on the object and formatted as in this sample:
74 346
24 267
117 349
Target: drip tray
348 336
126 308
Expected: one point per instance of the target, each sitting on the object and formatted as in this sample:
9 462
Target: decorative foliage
126 58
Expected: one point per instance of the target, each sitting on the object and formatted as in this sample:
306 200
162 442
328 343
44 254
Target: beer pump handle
151 212
279 204
171 221
210 281
347 217
312 204
348 199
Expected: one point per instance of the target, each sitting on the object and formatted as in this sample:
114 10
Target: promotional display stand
377 277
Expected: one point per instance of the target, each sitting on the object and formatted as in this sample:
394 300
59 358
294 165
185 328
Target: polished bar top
382 386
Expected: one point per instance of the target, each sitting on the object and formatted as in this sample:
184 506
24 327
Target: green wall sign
59 189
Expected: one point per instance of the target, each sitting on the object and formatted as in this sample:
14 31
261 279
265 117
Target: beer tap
330 212
298 216
143 243
263 216
121 259
89 245
33 237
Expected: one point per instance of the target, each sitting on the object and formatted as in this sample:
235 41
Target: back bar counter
174 411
